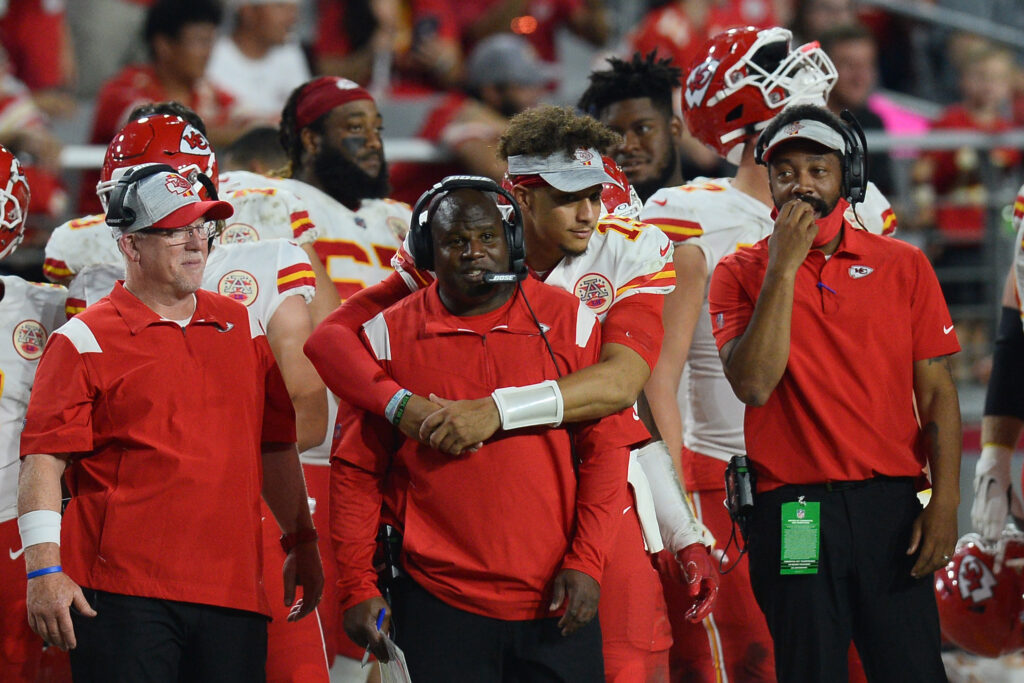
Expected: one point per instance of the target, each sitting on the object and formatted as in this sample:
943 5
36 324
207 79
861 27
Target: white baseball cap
164 200
567 173
807 129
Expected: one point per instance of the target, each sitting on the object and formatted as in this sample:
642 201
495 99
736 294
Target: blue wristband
45 570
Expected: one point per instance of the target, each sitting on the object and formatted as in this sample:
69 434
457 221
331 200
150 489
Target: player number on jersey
629 229
330 250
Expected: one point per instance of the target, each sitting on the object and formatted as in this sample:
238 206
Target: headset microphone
498 278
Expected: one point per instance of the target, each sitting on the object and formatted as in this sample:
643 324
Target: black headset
421 242
854 158
119 215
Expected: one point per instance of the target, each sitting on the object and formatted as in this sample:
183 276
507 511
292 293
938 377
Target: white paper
396 670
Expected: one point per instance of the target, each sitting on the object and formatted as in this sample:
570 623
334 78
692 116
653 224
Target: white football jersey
720 219
29 312
624 257
356 247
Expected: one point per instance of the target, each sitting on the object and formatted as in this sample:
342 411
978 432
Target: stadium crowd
649 373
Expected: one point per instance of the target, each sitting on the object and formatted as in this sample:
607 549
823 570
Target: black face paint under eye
354 144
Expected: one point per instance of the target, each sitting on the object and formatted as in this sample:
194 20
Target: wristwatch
289 541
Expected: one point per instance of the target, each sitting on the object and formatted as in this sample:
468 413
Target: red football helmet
14 198
619 201
745 77
160 139
979 595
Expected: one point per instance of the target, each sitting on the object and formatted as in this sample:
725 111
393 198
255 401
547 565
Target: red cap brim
210 210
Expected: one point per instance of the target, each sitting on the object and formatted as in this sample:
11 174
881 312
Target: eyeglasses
179 236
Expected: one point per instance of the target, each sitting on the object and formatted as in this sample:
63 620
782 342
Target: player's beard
645 188
345 181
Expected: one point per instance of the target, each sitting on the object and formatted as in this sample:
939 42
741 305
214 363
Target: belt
831 486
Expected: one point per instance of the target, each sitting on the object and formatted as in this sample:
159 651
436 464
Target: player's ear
675 128
523 196
310 140
127 245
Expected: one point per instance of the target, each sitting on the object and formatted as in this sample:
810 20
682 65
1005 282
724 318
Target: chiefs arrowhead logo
193 142
975 579
794 128
178 185
698 81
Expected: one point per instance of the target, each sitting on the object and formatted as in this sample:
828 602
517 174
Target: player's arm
349 369
680 315
755 360
287 330
50 595
1002 423
326 299
934 532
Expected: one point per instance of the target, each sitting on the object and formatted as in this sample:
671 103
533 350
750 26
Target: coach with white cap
162 408
838 340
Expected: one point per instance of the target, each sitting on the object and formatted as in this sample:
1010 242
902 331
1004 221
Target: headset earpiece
855 160
421 243
118 215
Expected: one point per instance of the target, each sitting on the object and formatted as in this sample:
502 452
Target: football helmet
623 201
743 78
979 595
14 198
160 139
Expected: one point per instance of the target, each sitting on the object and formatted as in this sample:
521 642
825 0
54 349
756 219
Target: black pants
445 644
144 639
863 589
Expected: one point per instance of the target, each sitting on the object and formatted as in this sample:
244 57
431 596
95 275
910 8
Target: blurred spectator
854 52
404 46
504 76
812 18
105 36
38 43
258 64
180 36
535 20
257 150
678 29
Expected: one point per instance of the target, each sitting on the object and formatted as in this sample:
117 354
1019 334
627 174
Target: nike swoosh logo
628 508
660 202
15 555
665 250
947 330
227 328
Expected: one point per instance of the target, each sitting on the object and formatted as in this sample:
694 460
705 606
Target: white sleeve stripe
380 339
80 336
585 322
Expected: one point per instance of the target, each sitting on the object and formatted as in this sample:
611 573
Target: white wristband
39 526
537 404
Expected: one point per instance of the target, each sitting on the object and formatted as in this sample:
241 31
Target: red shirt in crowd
163 427
486 532
844 408
33 34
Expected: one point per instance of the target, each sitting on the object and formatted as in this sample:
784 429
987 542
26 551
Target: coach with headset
503 547
838 342
163 409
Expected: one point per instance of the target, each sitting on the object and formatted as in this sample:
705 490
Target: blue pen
380 622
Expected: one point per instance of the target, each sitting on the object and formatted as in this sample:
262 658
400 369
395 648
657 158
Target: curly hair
549 129
642 76
289 132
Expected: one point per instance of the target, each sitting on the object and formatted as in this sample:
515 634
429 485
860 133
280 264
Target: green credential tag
801 537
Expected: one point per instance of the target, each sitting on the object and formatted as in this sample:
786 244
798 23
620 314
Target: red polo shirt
164 426
844 408
488 531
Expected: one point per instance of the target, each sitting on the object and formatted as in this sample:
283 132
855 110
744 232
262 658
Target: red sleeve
59 417
931 325
37 60
330 37
635 322
278 411
358 467
730 307
347 367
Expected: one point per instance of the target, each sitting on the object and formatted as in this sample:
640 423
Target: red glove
692 567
